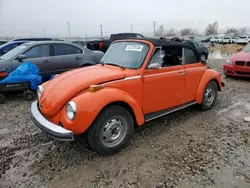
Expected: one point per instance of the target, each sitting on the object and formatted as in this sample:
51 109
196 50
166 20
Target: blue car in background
9 46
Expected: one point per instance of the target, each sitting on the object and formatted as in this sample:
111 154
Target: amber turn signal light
94 88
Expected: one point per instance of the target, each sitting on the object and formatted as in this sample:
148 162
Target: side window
172 56
196 44
156 57
38 51
8 48
63 49
77 50
189 56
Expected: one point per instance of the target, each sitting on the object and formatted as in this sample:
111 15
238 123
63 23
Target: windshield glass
126 54
12 53
247 48
243 37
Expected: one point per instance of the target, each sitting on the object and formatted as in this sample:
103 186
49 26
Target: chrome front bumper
51 129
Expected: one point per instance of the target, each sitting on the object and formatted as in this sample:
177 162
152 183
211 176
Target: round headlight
71 110
39 91
229 62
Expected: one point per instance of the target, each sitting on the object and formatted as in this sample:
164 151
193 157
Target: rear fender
90 104
208 76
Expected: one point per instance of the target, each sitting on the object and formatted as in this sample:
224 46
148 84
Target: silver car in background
51 57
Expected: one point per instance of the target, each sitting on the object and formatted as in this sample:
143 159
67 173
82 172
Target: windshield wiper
114 65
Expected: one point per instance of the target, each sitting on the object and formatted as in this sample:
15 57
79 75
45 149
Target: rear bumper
230 70
51 129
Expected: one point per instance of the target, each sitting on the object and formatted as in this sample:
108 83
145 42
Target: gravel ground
188 148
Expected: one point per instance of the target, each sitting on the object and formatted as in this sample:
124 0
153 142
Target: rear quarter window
189 56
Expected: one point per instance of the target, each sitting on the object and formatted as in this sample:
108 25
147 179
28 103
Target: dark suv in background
103 45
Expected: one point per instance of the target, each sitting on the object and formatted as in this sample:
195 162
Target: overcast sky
33 17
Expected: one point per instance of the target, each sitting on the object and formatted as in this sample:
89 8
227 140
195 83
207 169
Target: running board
161 113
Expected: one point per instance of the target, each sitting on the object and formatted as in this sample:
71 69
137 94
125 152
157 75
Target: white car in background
217 39
226 40
243 40
234 39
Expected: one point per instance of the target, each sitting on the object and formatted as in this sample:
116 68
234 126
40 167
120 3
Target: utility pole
69 30
44 33
101 31
154 27
131 27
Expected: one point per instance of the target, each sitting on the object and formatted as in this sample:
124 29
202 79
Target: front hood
61 89
241 56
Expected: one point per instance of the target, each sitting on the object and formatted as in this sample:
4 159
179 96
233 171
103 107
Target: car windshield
126 54
12 53
246 48
243 37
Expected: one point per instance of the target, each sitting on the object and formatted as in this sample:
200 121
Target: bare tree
232 31
160 31
187 31
242 30
212 29
171 32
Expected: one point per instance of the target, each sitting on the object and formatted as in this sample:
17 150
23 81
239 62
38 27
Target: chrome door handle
181 74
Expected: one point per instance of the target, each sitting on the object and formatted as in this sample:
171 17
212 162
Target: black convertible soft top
169 43
166 43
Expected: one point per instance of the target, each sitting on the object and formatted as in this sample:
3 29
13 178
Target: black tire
2 98
28 95
206 103
102 126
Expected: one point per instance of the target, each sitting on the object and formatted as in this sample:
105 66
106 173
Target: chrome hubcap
114 131
203 58
209 96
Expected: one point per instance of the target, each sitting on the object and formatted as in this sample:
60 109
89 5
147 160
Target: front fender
209 75
90 104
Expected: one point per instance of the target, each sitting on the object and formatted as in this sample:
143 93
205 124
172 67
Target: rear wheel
2 98
111 131
209 96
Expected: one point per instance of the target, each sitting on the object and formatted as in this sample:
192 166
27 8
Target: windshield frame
18 53
131 41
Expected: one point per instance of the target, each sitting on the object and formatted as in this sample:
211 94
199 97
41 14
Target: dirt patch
225 47
188 148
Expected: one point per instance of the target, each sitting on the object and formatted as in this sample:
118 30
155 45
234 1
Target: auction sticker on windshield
133 47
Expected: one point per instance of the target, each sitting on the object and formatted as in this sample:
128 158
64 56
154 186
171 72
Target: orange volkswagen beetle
135 81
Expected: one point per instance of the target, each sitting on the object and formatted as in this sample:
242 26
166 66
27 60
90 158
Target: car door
194 70
38 55
66 57
163 87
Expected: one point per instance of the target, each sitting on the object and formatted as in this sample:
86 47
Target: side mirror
21 57
154 66
239 49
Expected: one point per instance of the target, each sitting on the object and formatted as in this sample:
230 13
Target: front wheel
209 96
111 131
